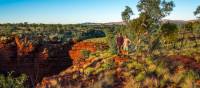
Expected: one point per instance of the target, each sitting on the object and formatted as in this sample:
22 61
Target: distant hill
109 23
178 22
115 23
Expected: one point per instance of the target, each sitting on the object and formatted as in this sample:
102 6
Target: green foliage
88 71
140 76
146 26
108 64
111 38
99 70
13 82
56 33
149 60
156 9
168 32
189 79
126 14
8 31
188 26
160 70
169 29
197 12
85 53
135 65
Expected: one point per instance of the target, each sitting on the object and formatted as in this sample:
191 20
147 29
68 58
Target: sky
81 11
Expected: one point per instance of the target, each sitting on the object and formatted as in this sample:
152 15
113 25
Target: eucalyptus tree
197 12
196 25
126 17
154 11
126 14
110 38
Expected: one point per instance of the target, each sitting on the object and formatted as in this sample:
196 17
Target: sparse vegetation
163 54
10 81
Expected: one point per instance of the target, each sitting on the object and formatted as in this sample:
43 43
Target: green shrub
140 76
161 69
108 64
12 82
88 71
189 79
99 70
135 65
110 37
85 53
149 60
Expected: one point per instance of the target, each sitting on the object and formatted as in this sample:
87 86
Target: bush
189 79
110 37
12 82
108 64
88 71
85 53
134 65
141 76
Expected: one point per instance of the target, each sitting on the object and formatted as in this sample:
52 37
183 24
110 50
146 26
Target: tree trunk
182 40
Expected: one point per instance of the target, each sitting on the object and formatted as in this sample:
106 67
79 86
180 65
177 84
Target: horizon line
84 22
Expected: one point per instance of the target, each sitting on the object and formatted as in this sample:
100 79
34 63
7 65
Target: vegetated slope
41 49
188 62
102 69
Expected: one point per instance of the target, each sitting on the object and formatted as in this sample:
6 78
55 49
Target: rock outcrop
75 52
21 56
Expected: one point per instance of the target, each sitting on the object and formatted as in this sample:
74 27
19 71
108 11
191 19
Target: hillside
102 69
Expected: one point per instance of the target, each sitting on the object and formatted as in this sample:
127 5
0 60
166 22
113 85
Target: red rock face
24 47
7 52
35 64
75 53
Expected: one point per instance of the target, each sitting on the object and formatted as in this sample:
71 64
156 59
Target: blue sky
79 11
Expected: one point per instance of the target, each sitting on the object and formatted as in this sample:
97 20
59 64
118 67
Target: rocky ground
92 65
105 70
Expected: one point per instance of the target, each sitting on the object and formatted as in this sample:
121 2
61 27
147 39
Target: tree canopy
197 12
156 9
126 14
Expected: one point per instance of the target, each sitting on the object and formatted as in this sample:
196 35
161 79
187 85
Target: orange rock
198 82
22 48
75 53
119 60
